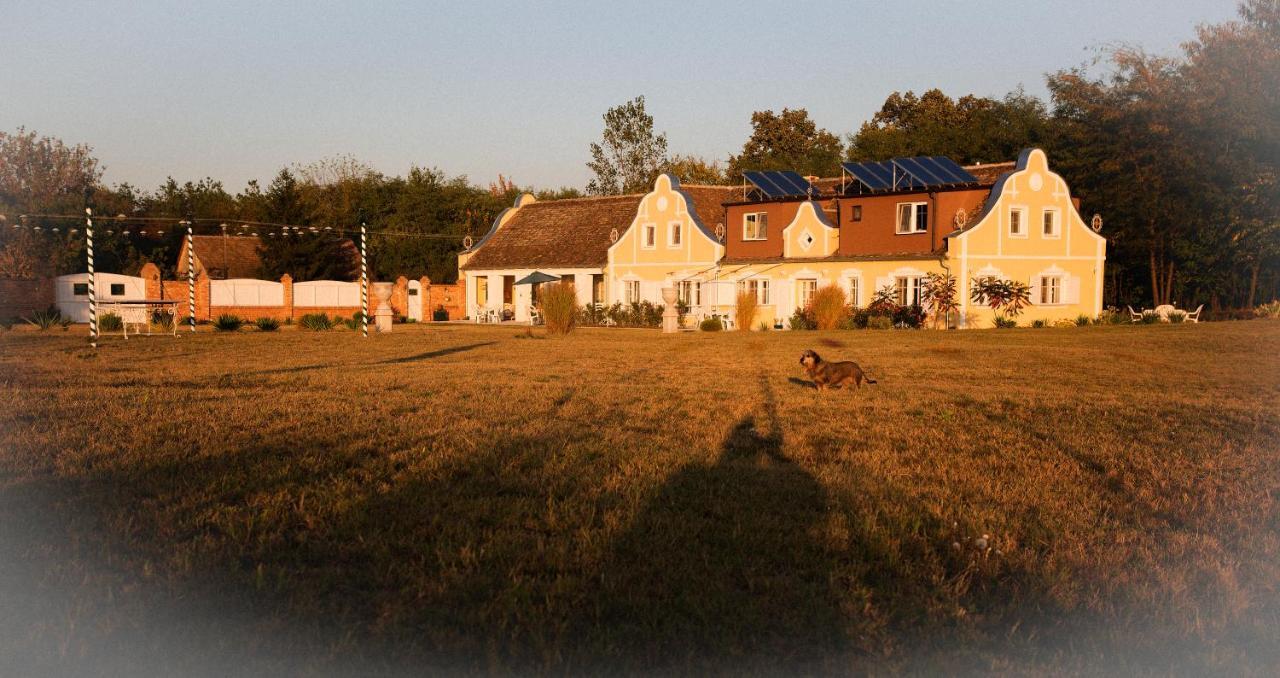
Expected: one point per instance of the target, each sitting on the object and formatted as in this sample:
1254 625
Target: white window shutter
1071 295
1035 290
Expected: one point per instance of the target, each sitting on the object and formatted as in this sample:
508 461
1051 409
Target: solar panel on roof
961 174
785 184
917 171
865 176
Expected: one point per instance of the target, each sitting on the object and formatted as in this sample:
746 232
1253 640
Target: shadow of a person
721 570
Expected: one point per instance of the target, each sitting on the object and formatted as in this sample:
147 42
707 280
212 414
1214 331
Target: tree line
1180 154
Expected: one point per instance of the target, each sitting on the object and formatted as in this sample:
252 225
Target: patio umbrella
535 278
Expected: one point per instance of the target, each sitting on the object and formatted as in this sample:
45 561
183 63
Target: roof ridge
586 198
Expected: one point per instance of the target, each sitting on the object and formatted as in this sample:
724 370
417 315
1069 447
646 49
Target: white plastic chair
1193 317
1134 316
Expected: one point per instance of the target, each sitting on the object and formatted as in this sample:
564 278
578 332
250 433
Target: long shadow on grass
720 569
438 353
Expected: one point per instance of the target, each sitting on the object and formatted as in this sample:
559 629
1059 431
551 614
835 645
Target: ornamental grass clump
110 322
827 307
745 309
267 324
559 307
316 322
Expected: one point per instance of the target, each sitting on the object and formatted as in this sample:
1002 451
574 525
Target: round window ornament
613 235
720 232
1096 223
961 217
467 242
662 203
1037 181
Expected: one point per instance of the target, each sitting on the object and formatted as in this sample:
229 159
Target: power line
283 229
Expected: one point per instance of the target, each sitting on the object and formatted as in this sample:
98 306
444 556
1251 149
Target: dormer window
755 226
913 217
1017 222
650 236
1051 223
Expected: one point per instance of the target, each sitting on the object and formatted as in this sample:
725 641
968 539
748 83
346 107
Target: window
1051 223
1017 217
755 226
806 288
913 217
1050 289
854 289
758 287
117 289
650 236
909 288
482 292
633 291
674 234
690 292
857 213
80 289
413 291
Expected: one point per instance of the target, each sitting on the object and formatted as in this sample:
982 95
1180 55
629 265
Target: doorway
415 302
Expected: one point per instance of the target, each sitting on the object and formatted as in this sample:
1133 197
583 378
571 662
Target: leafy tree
968 130
690 169
788 141
630 155
939 296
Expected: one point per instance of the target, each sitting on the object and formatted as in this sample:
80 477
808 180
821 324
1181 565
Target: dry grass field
470 499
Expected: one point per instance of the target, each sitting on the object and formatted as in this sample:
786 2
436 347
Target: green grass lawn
616 501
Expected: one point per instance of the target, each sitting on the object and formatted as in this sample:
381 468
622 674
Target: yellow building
781 237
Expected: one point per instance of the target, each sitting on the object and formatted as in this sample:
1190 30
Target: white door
415 300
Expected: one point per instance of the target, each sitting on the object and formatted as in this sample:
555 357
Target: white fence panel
326 293
245 292
71 292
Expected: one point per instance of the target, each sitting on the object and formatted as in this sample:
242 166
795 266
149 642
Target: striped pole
364 282
191 277
93 297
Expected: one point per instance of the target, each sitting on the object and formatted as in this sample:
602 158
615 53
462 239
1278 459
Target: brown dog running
826 374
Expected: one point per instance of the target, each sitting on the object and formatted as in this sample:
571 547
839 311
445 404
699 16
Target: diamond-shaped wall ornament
806 240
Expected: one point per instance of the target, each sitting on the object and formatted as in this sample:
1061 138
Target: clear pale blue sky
237 90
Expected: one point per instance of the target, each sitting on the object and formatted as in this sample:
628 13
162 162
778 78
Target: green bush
316 322
879 322
909 317
1083 320
164 319
228 323
1270 311
711 324
1039 323
1005 322
1150 317
1176 316
45 320
802 319
1111 317
440 314
267 324
110 322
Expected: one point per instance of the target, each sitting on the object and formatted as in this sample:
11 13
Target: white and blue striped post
364 281
191 276
93 297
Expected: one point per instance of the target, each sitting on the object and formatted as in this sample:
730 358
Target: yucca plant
45 320
559 307
110 322
267 324
228 323
1083 320
355 322
316 322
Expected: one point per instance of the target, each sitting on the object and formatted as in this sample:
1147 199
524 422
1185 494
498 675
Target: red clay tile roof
232 256
574 233
989 172
570 233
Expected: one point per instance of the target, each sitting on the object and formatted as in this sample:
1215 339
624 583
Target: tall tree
788 141
691 169
630 155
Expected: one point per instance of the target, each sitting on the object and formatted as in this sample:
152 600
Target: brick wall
20 298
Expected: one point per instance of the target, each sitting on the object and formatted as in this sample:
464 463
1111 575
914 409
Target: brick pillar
286 281
427 307
203 297
400 297
150 275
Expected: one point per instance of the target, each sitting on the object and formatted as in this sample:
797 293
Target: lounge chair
1134 316
1193 317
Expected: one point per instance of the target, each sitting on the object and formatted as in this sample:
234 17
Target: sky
238 90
